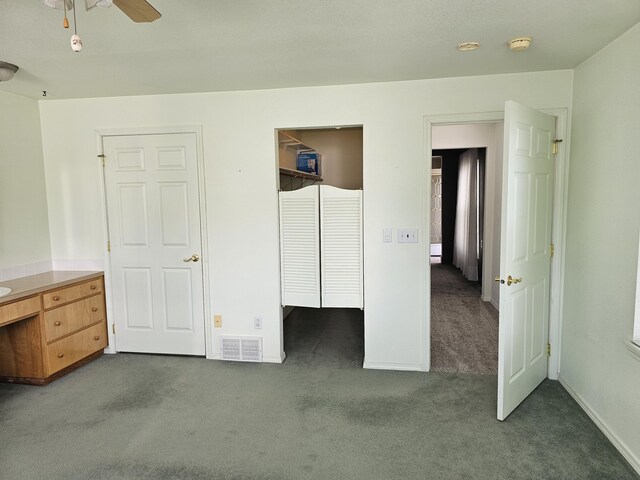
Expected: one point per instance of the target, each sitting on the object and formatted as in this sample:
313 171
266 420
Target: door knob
193 258
510 280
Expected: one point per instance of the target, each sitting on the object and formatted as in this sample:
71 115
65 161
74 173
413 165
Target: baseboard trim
602 425
633 348
406 367
274 358
495 304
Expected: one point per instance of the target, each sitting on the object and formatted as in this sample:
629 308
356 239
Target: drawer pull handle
93 287
96 338
57 323
60 355
56 298
94 309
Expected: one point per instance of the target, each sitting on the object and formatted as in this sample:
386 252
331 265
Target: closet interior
321 242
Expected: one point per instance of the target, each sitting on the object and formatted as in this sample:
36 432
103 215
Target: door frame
558 231
200 171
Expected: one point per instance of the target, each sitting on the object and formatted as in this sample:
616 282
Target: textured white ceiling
213 45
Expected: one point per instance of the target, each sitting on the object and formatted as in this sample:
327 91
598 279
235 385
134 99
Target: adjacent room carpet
317 416
464 329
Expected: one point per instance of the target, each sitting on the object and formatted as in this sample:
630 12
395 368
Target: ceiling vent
242 349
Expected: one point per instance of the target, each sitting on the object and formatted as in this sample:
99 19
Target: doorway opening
463 249
531 199
320 198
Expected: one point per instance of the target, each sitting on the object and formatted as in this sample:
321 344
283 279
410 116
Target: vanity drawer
73 316
75 347
23 308
69 294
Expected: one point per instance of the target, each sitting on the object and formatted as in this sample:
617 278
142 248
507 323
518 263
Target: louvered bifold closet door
299 247
341 247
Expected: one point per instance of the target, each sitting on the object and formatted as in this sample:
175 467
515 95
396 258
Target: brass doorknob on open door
193 258
511 280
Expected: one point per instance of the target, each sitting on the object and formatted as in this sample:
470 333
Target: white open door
525 263
341 247
299 247
153 213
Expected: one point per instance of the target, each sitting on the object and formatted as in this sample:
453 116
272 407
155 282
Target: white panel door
299 247
525 254
341 247
153 214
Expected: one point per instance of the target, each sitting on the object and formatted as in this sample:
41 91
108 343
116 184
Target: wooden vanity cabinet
54 333
21 340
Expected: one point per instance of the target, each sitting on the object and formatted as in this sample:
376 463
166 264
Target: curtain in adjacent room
465 249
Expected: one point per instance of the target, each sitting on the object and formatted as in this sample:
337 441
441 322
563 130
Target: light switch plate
387 235
408 236
217 321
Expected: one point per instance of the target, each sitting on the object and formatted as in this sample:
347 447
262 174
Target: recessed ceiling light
520 43
466 46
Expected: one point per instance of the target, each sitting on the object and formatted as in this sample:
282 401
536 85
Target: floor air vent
242 349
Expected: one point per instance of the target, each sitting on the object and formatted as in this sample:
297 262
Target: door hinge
102 157
113 328
108 245
554 148
552 249
548 349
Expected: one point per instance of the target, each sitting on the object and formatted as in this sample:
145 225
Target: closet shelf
287 141
298 174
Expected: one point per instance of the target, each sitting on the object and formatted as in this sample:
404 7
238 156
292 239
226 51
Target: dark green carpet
158 417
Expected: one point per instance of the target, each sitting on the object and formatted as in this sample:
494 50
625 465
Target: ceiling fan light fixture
468 46
89 4
58 4
7 70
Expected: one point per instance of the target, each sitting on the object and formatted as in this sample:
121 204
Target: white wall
602 242
242 214
489 136
24 228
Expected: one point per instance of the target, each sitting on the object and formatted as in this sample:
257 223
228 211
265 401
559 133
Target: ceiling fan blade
139 11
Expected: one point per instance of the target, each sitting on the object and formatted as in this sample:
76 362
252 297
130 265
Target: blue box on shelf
308 162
